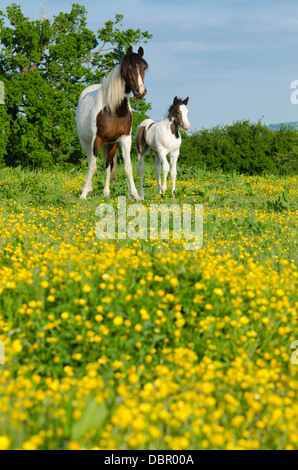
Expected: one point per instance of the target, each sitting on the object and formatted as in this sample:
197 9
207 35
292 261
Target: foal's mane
174 106
172 111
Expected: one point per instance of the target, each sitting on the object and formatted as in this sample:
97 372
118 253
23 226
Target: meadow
140 344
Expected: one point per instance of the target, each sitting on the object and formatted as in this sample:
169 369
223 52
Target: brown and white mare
104 118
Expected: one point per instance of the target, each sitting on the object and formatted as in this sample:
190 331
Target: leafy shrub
243 147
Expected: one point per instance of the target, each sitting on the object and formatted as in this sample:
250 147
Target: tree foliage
44 66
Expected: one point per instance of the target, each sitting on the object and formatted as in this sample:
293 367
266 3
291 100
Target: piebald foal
104 117
163 138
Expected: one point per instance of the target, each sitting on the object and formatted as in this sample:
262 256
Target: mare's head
133 68
178 113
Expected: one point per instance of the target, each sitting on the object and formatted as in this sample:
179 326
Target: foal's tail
141 138
142 145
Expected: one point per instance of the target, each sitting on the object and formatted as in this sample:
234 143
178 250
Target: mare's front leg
92 151
125 142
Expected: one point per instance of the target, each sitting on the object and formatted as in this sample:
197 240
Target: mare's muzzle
139 93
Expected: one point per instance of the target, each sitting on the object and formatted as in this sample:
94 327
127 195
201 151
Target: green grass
140 344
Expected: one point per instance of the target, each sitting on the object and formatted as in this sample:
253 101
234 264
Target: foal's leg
92 151
125 141
166 168
157 166
173 159
109 152
141 169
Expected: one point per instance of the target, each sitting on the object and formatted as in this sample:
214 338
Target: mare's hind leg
92 151
125 142
109 154
141 168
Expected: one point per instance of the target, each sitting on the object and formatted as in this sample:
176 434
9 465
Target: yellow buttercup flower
118 321
4 443
16 345
174 282
86 288
74 446
133 378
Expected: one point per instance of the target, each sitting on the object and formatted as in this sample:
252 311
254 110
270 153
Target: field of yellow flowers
140 344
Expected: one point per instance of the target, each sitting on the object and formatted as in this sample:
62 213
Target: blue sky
235 59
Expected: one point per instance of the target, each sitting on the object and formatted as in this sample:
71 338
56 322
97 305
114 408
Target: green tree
44 66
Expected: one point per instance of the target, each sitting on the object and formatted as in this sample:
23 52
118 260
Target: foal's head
178 113
133 68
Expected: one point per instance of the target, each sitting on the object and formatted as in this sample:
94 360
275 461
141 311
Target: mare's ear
129 51
141 51
175 101
186 101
